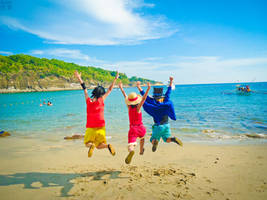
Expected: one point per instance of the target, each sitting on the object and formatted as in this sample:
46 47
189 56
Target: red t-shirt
135 118
95 113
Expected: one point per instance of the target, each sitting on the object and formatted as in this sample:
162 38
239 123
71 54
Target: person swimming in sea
49 103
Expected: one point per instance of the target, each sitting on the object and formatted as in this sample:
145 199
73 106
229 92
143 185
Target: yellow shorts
95 135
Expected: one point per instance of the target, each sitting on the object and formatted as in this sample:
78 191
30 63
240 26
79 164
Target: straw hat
133 99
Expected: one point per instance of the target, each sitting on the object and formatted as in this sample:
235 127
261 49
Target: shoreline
54 89
77 87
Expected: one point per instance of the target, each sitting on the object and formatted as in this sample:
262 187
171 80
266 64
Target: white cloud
37 52
74 55
92 22
152 58
6 53
217 63
67 53
199 69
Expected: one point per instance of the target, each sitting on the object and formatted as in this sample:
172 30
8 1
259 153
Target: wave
210 133
213 134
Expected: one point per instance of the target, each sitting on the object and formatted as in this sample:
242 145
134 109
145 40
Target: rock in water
4 134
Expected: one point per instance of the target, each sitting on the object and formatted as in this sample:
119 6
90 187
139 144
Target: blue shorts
160 131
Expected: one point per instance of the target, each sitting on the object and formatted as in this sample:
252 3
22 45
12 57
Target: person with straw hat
134 103
161 108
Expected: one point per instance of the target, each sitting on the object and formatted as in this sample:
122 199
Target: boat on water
243 89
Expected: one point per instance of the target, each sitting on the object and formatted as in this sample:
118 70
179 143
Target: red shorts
136 131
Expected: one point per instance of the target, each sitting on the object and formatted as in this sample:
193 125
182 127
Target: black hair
98 92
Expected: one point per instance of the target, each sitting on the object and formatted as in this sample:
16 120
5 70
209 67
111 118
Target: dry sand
195 171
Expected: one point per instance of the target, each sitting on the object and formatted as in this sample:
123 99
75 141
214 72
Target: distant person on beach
161 108
95 135
134 103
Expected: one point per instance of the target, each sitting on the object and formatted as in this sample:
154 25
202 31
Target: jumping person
161 108
134 103
95 135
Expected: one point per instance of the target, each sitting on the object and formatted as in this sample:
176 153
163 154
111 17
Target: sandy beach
194 171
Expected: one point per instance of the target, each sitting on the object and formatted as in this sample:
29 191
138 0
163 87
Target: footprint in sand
216 160
262 187
129 188
208 193
208 181
217 191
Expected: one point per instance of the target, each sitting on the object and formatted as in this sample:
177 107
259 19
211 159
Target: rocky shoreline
4 91
73 86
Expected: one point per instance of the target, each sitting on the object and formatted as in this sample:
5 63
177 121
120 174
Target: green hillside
28 72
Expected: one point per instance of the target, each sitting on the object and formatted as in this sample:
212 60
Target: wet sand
32 170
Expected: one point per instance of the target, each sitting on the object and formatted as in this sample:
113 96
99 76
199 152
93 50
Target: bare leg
130 147
142 141
89 144
109 146
168 140
102 146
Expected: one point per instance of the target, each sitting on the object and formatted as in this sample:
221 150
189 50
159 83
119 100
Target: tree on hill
23 71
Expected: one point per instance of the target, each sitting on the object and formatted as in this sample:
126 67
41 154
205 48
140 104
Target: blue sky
196 41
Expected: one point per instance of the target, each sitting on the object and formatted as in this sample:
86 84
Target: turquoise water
210 112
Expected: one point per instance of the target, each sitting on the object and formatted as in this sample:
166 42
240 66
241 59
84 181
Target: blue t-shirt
158 110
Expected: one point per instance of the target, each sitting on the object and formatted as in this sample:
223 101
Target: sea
206 113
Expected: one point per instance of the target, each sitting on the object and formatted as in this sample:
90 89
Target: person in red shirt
95 134
134 103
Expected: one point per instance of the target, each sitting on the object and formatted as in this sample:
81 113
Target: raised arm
79 77
168 92
138 86
143 98
171 81
122 91
111 86
142 91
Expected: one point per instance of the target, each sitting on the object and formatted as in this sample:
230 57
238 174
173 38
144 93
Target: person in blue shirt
161 108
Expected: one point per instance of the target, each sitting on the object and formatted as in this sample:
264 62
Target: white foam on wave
214 134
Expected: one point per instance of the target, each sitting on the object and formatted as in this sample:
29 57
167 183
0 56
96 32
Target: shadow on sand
53 179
